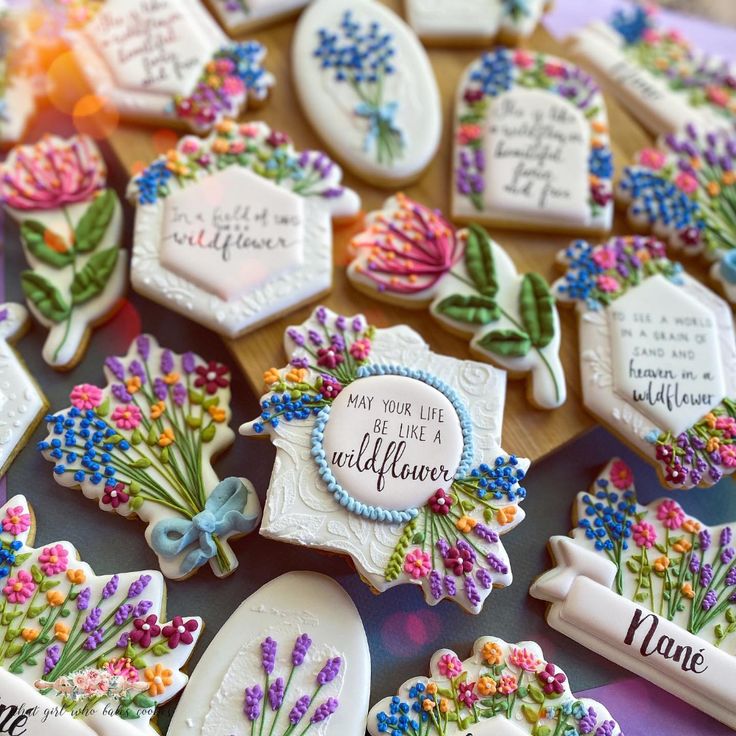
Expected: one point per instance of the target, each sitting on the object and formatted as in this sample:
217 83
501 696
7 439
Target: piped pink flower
53 560
361 349
644 534
553 69
507 685
418 564
525 660
686 182
20 588
449 665
652 158
607 284
523 59
728 456
717 95
86 396
621 475
605 257
16 521
670 513
468 132
126 416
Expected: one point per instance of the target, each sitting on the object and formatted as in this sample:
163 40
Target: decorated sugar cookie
167 61
500 690
390 454
234 230
440 23
412 256
650 588
22 403
684 190
368 89
531 145
292 659
17 93
82 654
657 356
656 73
70 227
239 16
143 446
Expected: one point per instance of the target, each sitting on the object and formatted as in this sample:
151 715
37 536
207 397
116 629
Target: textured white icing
385 411
329 105
259 13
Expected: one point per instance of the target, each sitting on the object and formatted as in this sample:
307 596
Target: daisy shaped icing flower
389 453
143 446
508 689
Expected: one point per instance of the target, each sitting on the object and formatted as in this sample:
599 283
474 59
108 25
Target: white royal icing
239 16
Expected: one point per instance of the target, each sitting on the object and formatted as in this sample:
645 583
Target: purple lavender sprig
252 705
324 711
301 647
329 672
299 710
268 655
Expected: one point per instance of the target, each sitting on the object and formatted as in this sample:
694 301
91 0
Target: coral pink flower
449 665
16 521
237 146
652 158
361 349
607 284
126 416
20 588
728 456
644 534
605 257
189 145
123 667
233 86
525 660
651 36
507 685
717 95
53 560
552 69
686 182
418 564
523 59
670 513
86 396
621 475
468 132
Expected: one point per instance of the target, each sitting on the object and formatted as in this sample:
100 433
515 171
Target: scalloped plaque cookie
292 659
411 255
390 454
661 78
532 147
684 190
500 690
240 16
657 356
651 589
70 227
367 87
143 446
442 23
236 229
82 654
167 61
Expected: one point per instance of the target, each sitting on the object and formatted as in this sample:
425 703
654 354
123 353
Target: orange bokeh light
65 84
94 116
164 139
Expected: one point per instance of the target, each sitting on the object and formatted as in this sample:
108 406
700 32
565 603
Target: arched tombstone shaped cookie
500 690
144 445
366 85
656 73
531 145
657 356
684 190
70 227
22 402
390 454
168 62
650 588
83 654
293 658
241 16
410 255
236 229
463 22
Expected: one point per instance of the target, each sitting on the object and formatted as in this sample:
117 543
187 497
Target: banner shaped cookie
367 87
657 356
411 255
500 690
168 62
389 453
143 446
239 16
684 190
292 659
460 22
70 228
661 79
531 145
17 93
234 230
649 588
82 654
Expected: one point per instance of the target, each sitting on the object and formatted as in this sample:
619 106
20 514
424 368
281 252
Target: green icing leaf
479 261
506 343
94 223
93 278
530 713
474 310
537 309
44 296
49 247
143 701
208 433
536 694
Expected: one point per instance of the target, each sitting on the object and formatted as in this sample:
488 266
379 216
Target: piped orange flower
61 631
682 546
492 653
687 591
296 375
691 526
217 414
133 384
158 409
55 598
29 634
486 686
271 376
158 679
166 438
506 515
76 577
465 524
170 378
661 563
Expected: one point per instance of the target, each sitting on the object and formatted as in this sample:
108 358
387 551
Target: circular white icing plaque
392 441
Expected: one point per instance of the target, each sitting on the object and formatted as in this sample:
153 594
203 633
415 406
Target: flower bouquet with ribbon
143 445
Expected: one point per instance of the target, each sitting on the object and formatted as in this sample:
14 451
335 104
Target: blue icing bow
222 515
377 116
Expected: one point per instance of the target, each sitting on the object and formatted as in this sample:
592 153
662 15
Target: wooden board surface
526 431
